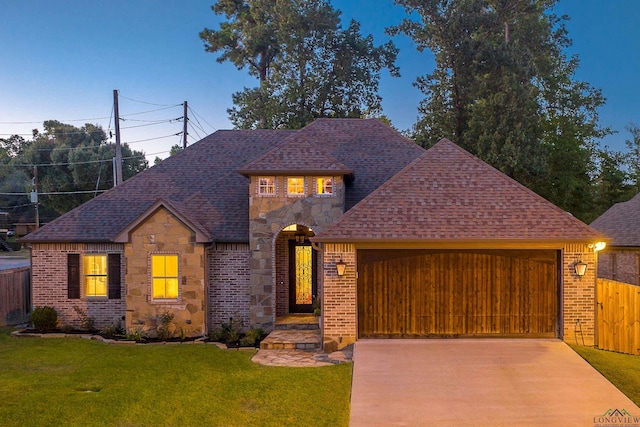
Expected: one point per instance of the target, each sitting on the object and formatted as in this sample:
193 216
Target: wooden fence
15 296
618 316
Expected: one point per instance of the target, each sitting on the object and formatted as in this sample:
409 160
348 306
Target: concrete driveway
479 382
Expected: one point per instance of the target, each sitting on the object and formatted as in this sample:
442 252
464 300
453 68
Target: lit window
295 186
95 275
292 227
267 185
164 280
324 185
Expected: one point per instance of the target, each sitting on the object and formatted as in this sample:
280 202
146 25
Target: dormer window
324 185
295 186
267 186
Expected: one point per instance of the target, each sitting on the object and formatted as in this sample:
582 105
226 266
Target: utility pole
184 126
34 195
118 176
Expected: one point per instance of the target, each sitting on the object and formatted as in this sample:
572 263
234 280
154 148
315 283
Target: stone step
297 322
292 339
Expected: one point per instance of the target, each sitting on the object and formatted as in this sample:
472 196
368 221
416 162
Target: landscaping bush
44 318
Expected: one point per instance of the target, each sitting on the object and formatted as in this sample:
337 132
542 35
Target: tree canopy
307 65
504 89
70 160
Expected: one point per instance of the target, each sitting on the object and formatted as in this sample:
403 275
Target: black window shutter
114 276
73 276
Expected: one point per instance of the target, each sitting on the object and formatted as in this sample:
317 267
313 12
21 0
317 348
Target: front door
302 277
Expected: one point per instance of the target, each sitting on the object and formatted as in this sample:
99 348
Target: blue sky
62 60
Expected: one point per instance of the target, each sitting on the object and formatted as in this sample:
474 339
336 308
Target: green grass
66 381
623 370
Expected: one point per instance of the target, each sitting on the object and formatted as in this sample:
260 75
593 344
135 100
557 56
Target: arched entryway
296 266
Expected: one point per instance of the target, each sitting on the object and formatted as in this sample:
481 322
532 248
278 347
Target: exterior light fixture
599 246
580 268
341 266
300 238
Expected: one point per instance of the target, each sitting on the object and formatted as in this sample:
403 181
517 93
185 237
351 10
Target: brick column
339 305
579 295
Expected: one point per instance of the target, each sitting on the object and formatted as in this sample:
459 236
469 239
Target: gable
449 195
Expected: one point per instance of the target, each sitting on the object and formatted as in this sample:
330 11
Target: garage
457 293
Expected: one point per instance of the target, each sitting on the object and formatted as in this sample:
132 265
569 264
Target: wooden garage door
404 293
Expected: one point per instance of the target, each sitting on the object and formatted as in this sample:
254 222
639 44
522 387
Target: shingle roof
203 184
294 155
621 222
448 194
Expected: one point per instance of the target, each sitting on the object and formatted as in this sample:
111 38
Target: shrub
44 318
87 323
165 319
113 330
253 336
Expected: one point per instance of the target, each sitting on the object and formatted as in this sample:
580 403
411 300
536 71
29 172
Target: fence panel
618 316
15 296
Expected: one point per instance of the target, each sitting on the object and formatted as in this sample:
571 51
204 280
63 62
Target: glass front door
302 277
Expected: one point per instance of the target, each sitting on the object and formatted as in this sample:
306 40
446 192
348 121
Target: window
295 186
95 275
324 185
164 280
267 185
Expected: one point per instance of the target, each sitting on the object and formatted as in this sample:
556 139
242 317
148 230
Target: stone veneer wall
49 276
579 295
340 314
228 283
622 265
163 233
268 215
339 304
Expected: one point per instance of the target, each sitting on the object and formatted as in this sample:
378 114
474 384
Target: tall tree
69 160
307 65
612 182
504 90
632 159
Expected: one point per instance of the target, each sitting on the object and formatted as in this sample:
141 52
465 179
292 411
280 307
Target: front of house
251 225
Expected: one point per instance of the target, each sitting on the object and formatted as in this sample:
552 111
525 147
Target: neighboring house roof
202 183
621 222
449 195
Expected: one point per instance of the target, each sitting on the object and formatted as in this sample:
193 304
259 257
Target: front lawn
66 381
622 370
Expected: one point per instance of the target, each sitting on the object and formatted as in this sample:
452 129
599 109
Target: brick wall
339 308
619 264
228 265
578 295
163 233
49 277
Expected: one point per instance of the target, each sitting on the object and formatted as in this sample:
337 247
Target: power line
42 121
54 193
143 102
213 128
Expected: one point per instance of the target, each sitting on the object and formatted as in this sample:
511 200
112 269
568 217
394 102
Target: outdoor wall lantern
300 238
341 266
580 268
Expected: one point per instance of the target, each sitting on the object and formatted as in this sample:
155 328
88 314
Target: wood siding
618 317
404 293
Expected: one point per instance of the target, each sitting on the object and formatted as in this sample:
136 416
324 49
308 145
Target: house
620 260
389 238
